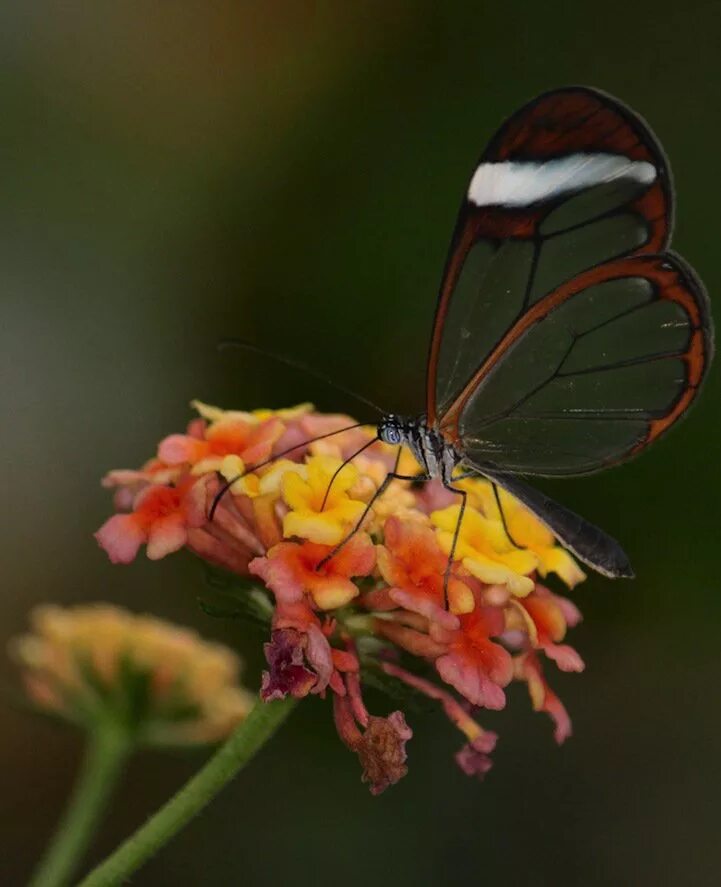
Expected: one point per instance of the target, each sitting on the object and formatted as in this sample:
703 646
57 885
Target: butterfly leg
391 476
589 543
454 543
499 504
503 517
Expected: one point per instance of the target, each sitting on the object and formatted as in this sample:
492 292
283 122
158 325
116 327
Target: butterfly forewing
562 342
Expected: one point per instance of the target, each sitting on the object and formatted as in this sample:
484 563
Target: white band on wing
516 183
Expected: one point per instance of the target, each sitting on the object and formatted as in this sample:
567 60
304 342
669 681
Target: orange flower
291 568
412 563
251 441
550 616
528 668
161 517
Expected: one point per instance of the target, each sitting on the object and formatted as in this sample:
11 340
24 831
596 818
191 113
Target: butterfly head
393 429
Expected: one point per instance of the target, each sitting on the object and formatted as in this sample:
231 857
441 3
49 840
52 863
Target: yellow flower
213 414
259 484
485 550
480 495
286 414
408 464
397 501
162 682
216 414
526 530
308 517
233 466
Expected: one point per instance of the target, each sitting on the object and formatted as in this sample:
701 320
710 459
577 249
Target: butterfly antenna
298 365
343 465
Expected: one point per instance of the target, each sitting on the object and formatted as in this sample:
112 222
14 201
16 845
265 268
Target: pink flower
161 518
465 656
474 758
474 665
529 669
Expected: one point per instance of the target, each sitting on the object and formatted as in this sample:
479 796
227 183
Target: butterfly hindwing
596 370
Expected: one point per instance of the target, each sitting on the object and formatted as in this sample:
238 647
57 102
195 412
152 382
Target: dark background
290 173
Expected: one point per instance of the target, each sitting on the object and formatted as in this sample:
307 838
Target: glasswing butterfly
567 337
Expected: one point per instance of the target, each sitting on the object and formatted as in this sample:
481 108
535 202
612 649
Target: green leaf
223 580
235 597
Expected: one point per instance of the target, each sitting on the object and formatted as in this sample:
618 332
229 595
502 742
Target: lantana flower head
359 589
160 682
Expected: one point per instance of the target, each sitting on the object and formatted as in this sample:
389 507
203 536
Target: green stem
107 750
258 727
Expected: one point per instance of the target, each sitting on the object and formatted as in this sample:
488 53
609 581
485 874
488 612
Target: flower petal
165 536
288 675
120 537
179 448
474 758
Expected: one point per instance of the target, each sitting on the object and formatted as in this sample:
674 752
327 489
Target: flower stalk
248 738
108 748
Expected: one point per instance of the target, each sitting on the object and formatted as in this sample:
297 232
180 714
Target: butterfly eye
391 434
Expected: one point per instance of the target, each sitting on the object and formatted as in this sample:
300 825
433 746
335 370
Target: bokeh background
290 172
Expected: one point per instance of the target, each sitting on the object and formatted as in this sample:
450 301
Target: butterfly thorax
434 453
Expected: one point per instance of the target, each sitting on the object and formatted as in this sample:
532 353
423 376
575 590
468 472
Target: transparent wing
590 374
565 338
572 180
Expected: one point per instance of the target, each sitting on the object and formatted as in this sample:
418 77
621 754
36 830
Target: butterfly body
437 456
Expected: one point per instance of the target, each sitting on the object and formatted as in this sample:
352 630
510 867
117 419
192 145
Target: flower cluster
378 607
162 683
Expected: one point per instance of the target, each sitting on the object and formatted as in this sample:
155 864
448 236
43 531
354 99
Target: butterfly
567 337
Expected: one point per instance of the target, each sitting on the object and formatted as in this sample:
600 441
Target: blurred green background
289 172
